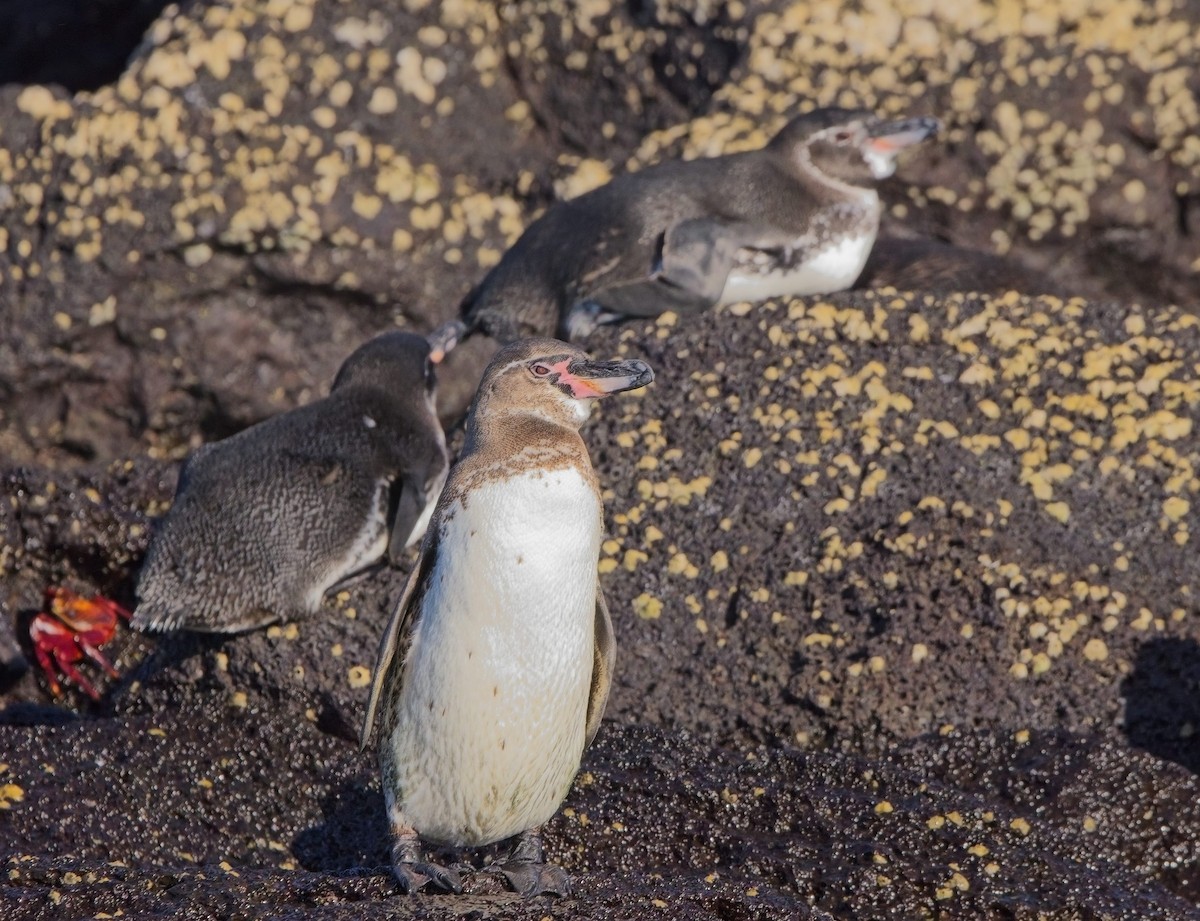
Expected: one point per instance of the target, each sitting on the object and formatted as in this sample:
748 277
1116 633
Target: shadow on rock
13 663
80 45
333 720
1162 701
935 266
353 836
174 661
29 713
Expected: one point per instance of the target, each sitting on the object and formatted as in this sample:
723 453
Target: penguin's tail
150 617
202 617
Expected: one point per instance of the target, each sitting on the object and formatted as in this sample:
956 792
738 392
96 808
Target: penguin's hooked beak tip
594 379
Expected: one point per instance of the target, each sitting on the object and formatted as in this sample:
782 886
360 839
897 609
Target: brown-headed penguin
796 217
495 669
265 522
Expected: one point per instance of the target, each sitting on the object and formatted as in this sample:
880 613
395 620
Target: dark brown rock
656 822
933 267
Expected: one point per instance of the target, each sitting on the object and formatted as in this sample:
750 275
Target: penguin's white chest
828 258
834 268
490 721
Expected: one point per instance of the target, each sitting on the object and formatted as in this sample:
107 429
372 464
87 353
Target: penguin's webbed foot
528 879
413 875
528 873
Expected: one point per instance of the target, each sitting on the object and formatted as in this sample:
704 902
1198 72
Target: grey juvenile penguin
798 216
268 520
495 668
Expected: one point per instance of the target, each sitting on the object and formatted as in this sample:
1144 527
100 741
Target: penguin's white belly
492 714
834 268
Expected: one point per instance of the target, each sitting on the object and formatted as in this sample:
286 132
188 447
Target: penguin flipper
409 508
605 657
697 256
393 645
688 274
419 491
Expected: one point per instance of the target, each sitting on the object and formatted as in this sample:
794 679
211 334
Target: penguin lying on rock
797 217
495 668
265 522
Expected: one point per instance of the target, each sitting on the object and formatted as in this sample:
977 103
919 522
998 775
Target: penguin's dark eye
540 370
843 137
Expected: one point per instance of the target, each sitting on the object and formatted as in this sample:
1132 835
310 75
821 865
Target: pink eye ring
540 370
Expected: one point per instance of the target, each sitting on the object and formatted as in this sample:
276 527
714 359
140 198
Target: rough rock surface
904 583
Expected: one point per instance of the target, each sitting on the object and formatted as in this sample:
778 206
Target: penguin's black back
611 234
264 521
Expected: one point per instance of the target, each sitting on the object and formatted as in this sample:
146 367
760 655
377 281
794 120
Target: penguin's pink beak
589 380
890 138
886 140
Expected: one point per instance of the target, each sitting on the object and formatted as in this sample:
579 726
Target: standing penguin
796 217
495 668
265 522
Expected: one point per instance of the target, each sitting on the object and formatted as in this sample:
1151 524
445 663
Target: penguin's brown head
554 380
852 146
399 363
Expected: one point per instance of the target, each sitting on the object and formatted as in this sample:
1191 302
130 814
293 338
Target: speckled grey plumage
670 236
265 522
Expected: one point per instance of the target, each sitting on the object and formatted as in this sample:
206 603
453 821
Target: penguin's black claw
408 880
413 876
528 879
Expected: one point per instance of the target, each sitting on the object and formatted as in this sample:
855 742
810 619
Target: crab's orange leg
98 657
43 657
73 673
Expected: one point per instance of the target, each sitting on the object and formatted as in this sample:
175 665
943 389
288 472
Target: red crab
70 628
